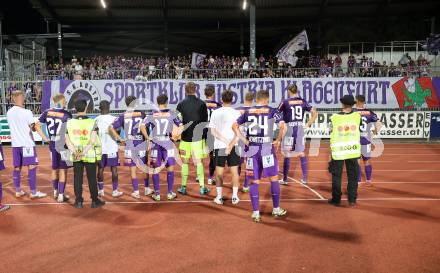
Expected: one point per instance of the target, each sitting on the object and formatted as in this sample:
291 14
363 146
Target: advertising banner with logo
396 124
392 93
5 133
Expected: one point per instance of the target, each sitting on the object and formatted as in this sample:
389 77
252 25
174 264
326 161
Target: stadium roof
137 26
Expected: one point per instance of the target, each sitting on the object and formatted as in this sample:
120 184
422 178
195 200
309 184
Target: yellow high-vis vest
345 136
80 132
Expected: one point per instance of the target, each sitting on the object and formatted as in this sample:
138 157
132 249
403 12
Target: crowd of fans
216 67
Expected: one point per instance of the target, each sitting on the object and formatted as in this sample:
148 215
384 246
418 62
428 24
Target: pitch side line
307 187
107 185
155 202
211 202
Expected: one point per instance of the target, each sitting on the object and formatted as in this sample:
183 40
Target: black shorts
221 158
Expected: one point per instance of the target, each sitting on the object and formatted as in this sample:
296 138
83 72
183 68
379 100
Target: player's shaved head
129 100
209 91
293 89
249 97
162 99
104 107
18 97
190 88
17 93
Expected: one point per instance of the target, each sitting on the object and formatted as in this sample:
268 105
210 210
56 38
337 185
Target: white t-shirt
222 120
109 145
19 120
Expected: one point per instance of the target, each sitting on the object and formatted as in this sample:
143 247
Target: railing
216 74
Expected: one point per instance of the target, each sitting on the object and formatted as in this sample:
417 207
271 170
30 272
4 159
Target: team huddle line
203 129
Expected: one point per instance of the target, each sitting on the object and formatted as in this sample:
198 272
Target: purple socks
156 184
16 177
286 167
304 167
275 191
255 197
246 181
61 187
368 172
135 183
100 186
170 181
33 180
55 184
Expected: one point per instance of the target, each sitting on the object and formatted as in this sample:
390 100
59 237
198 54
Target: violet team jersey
161 124
212 105
242 110
260 121
55 120
130 121
368 118
293 111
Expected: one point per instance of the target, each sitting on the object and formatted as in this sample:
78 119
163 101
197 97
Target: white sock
219 192
234 192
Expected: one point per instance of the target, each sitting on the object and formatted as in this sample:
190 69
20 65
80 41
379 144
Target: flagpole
252 46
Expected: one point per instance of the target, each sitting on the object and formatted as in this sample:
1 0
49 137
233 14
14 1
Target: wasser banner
396 124
390 93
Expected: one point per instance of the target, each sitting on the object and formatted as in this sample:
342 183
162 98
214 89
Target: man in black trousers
345 148
83 141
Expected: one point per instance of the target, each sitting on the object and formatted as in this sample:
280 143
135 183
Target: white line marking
375 161
376 170
424 161
109 185
154 202
307 187
211 202
386 182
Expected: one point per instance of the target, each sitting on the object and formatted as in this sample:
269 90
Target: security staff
345 147
83 142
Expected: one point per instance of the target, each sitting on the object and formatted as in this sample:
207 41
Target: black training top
194 112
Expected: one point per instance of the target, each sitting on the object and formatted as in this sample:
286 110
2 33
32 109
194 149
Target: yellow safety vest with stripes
345 136
80 132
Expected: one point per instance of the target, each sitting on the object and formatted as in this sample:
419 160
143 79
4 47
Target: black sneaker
98 203
334 203
78 205
352 204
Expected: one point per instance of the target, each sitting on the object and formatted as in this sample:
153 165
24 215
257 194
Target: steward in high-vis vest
345 147
84 144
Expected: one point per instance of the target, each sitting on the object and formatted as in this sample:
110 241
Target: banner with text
390 93
396 124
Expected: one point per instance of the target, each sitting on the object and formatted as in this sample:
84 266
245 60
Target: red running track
394 228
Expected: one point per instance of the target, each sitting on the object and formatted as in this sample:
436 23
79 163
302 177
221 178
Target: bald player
21 124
